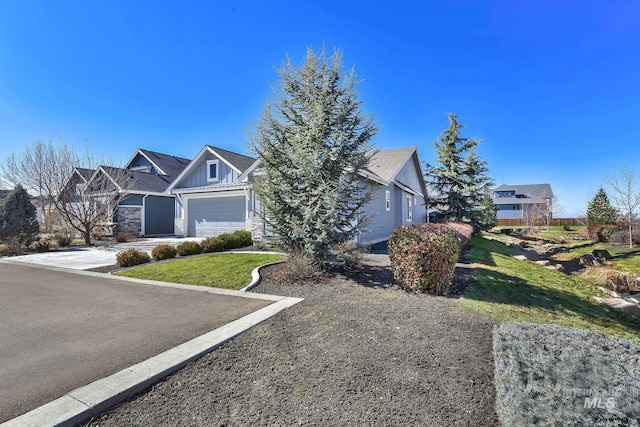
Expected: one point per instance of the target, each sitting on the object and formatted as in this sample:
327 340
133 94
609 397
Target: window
409 208
212 170
387 196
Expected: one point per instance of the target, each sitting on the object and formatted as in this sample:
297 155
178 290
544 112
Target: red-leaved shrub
423 256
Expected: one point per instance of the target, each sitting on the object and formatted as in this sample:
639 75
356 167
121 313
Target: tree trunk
87 237
630 234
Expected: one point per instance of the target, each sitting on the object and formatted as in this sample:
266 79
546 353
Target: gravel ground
357 352
570 377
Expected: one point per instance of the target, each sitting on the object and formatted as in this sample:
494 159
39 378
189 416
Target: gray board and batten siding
198 177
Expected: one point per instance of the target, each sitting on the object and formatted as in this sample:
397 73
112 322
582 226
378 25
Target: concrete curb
85 402
255 276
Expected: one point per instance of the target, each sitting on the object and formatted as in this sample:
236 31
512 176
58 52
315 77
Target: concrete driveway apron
97 256
60 330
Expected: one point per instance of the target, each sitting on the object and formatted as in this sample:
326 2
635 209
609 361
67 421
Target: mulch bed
357 351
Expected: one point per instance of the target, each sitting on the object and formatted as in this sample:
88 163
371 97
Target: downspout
142 215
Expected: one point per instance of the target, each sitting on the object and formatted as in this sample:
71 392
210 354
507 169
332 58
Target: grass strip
228 270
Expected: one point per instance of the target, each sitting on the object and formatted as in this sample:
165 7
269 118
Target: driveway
60 330
98 256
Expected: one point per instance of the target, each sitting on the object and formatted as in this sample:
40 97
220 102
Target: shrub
601 232
189 248
122 237
40 245
231 241
12 247
212 244
423 257
565 227
63 239
244 236
131 257
299 269
463 230
163 252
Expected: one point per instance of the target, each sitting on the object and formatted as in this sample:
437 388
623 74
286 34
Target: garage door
158 215
216 215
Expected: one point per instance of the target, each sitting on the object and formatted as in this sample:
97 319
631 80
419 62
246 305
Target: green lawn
622 258
228 270
508 289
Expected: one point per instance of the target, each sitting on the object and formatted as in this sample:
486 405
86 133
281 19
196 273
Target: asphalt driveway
60 330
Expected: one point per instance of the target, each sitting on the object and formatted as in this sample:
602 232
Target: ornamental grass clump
423 257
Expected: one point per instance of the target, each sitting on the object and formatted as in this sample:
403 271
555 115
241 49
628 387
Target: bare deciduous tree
80 189
625 194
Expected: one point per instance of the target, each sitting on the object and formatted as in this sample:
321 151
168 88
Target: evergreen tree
459 185
18 216
313 140
481 211
600 210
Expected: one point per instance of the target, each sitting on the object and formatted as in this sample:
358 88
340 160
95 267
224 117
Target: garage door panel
216 215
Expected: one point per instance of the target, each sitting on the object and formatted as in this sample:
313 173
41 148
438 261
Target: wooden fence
519 222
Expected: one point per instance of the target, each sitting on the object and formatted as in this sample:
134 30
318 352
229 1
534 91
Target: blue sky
552 88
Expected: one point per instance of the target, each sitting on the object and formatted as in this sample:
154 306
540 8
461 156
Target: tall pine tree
459 185
313 140
600 210
18 216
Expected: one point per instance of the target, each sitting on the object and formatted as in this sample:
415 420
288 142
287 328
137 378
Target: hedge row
237 239
424 256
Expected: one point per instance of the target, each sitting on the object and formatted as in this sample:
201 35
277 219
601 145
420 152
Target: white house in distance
516 201
214 194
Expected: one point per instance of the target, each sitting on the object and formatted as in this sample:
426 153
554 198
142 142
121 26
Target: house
214 194
399 192
530 201
145 208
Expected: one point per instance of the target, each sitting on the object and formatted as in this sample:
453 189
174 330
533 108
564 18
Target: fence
519 222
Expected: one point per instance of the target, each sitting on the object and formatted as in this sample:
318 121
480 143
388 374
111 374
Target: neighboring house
214 194
145 208
520 201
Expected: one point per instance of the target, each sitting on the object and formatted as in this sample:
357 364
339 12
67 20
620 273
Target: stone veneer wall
129 220
256 227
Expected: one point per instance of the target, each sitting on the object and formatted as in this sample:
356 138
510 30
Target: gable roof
136 181
166 164
542 191
387 163
239 162
84 173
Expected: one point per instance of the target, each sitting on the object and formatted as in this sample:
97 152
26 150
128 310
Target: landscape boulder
588 260
617 282
602 254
